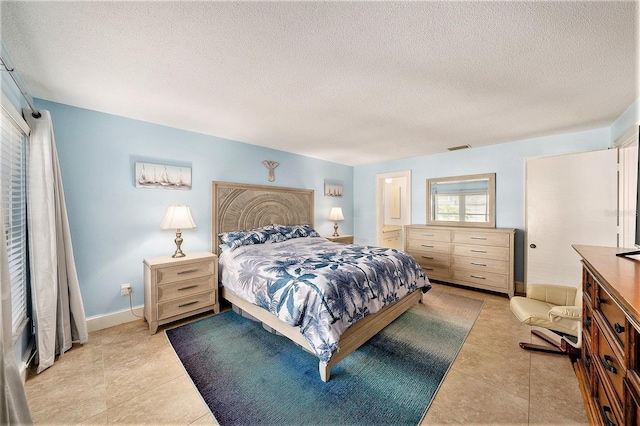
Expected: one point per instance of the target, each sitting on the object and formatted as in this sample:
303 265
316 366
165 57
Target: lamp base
335 230
178 242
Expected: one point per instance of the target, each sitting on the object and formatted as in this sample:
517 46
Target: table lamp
336 215
178 218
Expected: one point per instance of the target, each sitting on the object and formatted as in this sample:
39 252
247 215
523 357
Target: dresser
176 288
609 368
474 257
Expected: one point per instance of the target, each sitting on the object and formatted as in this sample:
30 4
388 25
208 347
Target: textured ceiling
350 82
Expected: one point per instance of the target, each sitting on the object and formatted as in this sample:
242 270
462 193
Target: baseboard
100 322
26 360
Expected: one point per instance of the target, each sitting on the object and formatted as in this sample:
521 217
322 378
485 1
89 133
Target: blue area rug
248 376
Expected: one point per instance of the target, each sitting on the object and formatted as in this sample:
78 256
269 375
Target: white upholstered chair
552 307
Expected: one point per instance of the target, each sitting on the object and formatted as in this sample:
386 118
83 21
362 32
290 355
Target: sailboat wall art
150 175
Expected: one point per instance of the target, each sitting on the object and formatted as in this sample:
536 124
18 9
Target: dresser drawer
421 246
436 273
613 315
184 272
481 238
589 285
480 265
587 360
633 404
612 367
587 322
483 252
185 305
608 407
441 260
442 235
184 288
484 279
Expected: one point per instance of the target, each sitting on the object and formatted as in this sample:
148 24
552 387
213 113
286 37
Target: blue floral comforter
320 286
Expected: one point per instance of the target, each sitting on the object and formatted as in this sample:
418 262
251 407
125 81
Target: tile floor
124 375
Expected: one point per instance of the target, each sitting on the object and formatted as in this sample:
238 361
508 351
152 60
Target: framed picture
332 189
150 175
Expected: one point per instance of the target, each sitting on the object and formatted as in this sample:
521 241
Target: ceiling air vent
456 148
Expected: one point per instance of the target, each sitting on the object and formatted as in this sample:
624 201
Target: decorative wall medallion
271 165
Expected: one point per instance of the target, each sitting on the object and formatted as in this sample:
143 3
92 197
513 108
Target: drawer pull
188 271
478 264
425 245
478 238
428 269
608 366
427 257
478 277
188 304
587 322
479 251
619 329
605 416
189 287
587 361
588 284
601 301
428 235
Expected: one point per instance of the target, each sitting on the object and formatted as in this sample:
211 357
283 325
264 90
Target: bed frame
241 206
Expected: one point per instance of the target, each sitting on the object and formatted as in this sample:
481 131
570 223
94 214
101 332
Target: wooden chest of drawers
176 288
480 258
609 368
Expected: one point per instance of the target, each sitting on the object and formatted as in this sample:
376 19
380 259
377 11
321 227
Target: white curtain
13 404
58 311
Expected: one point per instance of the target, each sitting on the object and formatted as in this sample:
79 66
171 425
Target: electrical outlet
125 289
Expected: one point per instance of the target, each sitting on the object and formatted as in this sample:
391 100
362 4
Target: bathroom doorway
393 208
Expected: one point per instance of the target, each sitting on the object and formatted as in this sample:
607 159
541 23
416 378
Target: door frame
405 204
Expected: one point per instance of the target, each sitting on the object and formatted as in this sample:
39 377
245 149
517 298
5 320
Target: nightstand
344 239
176 288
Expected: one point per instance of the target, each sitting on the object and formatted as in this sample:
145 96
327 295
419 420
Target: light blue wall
506 160
114 225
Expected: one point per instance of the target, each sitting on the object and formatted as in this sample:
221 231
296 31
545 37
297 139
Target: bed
301 293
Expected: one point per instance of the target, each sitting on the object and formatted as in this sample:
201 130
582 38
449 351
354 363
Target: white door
570 199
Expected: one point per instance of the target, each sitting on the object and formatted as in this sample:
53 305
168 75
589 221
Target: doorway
393 208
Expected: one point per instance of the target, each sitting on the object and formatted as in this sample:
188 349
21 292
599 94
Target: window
14 204
462 207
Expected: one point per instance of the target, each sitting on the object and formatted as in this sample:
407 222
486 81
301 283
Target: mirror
462 200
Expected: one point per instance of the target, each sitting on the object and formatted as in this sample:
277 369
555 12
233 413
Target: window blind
14 203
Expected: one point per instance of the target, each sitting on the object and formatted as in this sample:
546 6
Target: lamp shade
336 214
178 217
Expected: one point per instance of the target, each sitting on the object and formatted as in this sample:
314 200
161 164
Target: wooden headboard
241 206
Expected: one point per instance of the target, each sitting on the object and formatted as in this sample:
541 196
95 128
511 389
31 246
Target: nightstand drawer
185 288
184 272
185 305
